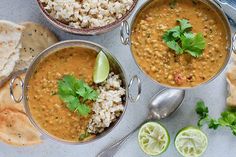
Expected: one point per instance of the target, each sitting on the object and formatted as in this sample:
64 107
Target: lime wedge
101 69
191 142
153 138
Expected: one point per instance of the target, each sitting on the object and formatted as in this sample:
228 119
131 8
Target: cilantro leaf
213 124
65 88
81 92
199 41
201 109
72 91
194 52
93 95
227 119
181 39
172 34
83 136
233 128
193 44
201 122
189 35
184 24
70 82
175 46
87 93
83 109
79 84
72 102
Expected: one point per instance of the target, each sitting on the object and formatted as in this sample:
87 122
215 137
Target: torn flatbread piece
35 39
16 129
5 98
231 79
10 35
234 58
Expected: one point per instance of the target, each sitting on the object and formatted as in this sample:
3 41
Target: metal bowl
114 65
126 33
87 31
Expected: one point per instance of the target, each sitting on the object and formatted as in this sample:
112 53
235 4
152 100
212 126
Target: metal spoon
228 8
162 105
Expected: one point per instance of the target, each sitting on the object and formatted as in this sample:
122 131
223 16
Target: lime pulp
153 138
191 142
101 69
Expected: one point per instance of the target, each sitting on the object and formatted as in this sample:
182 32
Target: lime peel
153 138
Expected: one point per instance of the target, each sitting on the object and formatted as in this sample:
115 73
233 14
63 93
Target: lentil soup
48 110
160 62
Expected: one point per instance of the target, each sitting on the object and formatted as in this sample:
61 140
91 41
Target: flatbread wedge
16 129
35 39
234 58
231 79
10 35
5 98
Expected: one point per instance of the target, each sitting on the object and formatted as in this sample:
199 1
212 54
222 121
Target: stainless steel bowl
87 31
126 33
114 65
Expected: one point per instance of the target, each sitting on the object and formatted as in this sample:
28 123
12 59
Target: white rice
108 106
87 13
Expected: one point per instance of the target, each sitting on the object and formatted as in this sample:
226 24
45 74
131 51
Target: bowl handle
134 99
124 29
17 100
234 43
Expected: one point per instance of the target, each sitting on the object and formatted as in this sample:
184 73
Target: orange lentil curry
161 63
46 107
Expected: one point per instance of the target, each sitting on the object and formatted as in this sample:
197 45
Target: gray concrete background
221 142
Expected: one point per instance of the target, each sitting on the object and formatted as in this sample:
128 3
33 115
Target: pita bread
5 99
16 129
234 58
35 39
231 79
10 35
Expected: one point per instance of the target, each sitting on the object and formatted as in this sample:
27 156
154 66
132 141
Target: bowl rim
29 74
229 34
86 31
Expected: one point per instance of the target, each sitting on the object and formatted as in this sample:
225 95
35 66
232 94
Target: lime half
101 69
153 138
191 142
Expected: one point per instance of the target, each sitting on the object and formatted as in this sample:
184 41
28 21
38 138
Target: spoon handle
111 150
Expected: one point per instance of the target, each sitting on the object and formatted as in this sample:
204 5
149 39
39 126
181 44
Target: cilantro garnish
84 136
227 119
181 39
75 93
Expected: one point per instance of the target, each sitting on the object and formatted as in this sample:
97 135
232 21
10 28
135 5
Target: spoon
228 9
162 105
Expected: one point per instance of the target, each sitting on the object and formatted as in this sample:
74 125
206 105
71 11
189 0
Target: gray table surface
221 143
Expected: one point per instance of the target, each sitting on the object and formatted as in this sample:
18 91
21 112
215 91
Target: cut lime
101 69
191 142
153 138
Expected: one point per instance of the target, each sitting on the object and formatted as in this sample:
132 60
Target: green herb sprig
181 39
227 119
84 136
75 93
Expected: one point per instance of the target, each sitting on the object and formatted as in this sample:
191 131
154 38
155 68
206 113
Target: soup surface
44 103
160 62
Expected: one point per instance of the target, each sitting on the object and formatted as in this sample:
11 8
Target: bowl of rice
87 17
